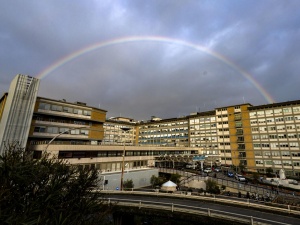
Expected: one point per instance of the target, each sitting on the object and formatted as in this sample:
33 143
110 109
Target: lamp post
125 129
56 136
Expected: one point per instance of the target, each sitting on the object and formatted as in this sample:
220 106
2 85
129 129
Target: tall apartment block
16 111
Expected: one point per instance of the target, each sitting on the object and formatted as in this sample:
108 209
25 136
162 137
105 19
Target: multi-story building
275 130
172 132
82 135
16 111
120 131
68 123
254 137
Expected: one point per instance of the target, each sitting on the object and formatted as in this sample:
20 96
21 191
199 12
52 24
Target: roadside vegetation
47 191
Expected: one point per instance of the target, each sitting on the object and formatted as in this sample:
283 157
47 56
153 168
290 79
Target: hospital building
254 137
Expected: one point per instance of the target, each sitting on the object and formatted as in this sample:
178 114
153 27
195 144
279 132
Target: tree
255 176
157 181
242 167
175 178
269 171
154 180
47 191
212 187
128 184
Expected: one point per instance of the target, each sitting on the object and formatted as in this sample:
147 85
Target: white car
190 166
240 177
207 170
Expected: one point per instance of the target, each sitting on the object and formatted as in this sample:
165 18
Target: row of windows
275 128
276 145
275 136
225 151
224 129
277 153
78 122
223 158
164 130
57 130
164 136
203 126
277 163
277 120
275 111
163 125
94 154
65 109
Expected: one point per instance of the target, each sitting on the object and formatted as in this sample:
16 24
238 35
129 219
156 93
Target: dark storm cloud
143 79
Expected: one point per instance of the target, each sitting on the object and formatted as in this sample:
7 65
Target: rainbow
130 39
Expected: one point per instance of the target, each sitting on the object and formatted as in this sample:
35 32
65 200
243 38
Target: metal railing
194 210
245 202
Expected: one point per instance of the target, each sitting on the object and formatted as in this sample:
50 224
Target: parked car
207 170
230 174
218 169
240 177
190 166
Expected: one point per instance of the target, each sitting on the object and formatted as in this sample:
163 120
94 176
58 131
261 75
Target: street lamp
125 129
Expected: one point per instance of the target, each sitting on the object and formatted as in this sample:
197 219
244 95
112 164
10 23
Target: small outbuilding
168 187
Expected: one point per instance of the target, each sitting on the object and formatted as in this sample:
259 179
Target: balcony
241 147
239 132
240 139
237 117
238 125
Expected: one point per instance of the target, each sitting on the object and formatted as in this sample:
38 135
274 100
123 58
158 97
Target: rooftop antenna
244 99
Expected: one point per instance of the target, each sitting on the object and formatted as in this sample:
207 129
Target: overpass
233 210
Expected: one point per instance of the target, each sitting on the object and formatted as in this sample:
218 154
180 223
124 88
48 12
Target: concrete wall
140 178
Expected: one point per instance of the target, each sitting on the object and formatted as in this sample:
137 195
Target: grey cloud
141 79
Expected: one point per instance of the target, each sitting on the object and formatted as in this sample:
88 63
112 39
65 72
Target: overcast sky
176 57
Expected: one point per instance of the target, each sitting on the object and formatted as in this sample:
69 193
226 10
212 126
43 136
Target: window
40 129
272 128
75 132
260 113
64 130
275 153
86 112
253 121
287 110
285 153
294 144
53 130
56 108
255 137
269 112
84 132
65 154
257 153
277 111
288 118
296 154
296 109
259 162
44 106
68 109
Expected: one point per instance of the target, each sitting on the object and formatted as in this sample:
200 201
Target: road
279 219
